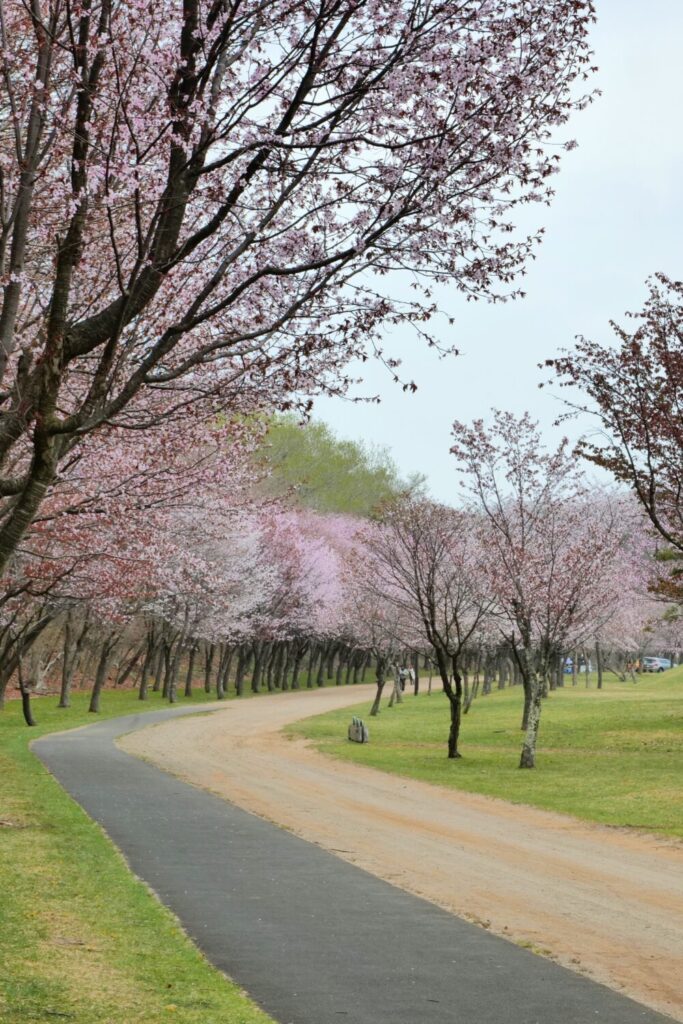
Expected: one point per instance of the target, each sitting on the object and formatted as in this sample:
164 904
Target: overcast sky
617 218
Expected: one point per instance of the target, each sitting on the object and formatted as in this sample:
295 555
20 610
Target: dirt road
596 899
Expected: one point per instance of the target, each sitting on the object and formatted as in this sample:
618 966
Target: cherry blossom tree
201 205
635 388
553 552
424 560
120 535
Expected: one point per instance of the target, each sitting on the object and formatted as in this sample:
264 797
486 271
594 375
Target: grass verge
83 941
613 756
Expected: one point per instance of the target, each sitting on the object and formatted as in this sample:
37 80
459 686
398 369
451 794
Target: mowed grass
613 756
82 941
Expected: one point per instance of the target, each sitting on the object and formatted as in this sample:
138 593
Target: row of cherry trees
204 206
535 563
169 572
206 211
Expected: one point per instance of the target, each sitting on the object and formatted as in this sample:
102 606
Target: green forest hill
310 466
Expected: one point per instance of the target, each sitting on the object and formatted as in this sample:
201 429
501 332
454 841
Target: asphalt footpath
314 940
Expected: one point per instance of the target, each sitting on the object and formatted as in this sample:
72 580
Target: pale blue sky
617 217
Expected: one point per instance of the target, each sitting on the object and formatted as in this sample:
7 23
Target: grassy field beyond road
613 756
83 941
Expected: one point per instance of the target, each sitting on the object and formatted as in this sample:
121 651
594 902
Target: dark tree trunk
258 662
224 667
242 659
298 655
598 663
168 668
209 655
454 694
312 654
101 674
190 670
488 676
320 678
281 667
146 665
175 669
527 703
67 662
559 672
158 667
129 666
380 676
272 661
25 698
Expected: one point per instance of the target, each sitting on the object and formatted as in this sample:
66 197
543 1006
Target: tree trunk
281 667
242 659
190 671
320 678
271 660
396 695
101 675
312 654
381 679
258 662
559 672
25 698
528 758
454 732
598 663
454 694
340 666
146 665
224 671
526 710
67 673
209 655
168 668
298 657
129 666
158 667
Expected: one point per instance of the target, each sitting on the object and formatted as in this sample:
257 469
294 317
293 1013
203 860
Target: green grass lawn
82 940
612 756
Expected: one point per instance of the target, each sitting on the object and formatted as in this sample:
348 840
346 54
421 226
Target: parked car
656 664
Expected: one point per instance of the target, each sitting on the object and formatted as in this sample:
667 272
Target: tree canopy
327 473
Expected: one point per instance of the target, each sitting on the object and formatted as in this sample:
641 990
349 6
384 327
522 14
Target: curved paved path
606 902
312 938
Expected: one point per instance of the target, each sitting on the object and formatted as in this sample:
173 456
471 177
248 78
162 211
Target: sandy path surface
599 900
